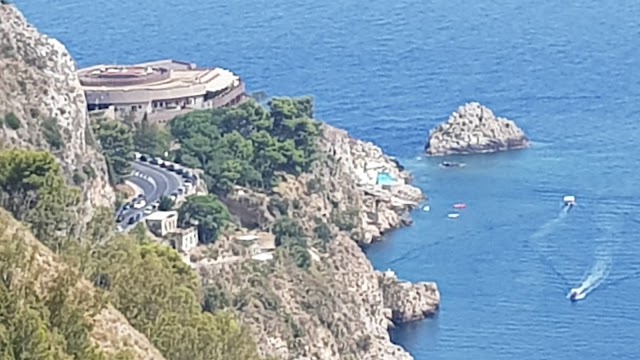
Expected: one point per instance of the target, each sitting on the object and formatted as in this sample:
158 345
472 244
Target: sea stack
474 129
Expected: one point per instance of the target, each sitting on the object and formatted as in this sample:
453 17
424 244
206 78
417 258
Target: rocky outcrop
359 163
407 301
43 106
323 300
472 129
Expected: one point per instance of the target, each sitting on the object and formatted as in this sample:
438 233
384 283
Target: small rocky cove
340 307
474 129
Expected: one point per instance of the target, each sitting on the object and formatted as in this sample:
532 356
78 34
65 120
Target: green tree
55 218
149 138
165 203
161 296
211 215
116 141
50 323
33 189
286 227
248 145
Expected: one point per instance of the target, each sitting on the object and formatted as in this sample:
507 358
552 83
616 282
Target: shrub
52 135
12 121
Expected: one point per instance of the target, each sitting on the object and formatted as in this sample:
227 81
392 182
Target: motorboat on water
451 164
569 201
576 294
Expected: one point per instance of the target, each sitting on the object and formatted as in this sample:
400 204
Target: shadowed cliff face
43 106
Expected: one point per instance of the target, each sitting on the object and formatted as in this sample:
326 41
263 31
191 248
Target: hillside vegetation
149 284
248 145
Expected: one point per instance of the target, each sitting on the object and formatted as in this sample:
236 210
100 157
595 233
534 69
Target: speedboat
447 164
569 201
576 294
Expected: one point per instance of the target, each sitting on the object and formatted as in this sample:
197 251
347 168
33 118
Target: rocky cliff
408 302
473 128
323 299
43 106
111 330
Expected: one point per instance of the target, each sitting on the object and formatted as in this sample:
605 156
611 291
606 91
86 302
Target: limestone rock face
43 106
336 309
474 129
407 301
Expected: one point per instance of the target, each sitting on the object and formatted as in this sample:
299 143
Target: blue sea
388 71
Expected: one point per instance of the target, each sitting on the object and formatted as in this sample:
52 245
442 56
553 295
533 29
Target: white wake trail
547 228
598 273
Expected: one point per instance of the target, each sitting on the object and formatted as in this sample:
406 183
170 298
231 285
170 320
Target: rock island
474 129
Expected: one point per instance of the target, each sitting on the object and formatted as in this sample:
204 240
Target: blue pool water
386 179
388 71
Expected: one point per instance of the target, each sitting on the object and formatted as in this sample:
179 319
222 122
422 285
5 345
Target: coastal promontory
257 256
474 129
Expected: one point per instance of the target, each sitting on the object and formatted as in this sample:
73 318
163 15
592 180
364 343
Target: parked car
140 204
143 158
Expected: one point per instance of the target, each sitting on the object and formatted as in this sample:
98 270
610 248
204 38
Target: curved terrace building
160 89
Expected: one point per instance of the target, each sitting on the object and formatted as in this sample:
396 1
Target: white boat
569 200
453 215
576 294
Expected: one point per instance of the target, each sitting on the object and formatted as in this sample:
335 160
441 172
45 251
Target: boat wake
593 278
544 249
551 225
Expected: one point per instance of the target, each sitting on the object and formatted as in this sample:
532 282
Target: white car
140 204
148 210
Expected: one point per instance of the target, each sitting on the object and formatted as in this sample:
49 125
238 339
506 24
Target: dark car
119 219
144 158
132 220
179 171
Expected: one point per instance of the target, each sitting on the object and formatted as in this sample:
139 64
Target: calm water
389 71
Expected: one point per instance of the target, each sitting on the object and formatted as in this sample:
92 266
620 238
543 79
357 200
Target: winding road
155 182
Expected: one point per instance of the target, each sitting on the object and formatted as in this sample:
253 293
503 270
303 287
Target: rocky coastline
336 306
340 307
408 301
474 129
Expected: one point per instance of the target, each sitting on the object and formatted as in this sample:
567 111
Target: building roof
158 80
161 215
